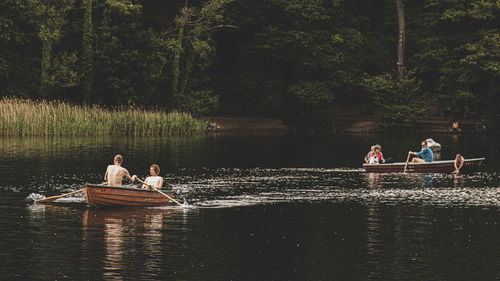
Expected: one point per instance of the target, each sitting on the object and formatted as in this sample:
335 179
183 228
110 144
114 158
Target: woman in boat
459 162
378 153
369 154
376 157
154 180
373 159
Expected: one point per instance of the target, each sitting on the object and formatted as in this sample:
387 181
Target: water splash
33 197
226 187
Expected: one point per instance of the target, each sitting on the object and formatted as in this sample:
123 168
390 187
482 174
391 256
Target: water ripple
220 188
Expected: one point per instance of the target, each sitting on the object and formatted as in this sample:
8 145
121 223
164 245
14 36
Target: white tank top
153 181
373 160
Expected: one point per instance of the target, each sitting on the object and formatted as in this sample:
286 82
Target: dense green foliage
300 61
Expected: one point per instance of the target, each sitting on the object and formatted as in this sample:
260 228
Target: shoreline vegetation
22 117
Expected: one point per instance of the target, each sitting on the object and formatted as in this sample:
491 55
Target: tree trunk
401 37
176 69
88 51
45 68
176 65
189 58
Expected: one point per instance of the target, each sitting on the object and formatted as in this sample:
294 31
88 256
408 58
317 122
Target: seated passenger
373 160
154 180
378 153
367 157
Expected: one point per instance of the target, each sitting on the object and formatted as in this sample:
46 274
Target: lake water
260 208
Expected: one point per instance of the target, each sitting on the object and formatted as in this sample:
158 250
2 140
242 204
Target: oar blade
52 198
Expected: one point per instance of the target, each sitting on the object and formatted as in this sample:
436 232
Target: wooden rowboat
470 165
107 196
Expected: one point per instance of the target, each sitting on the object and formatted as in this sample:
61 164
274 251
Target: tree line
300 61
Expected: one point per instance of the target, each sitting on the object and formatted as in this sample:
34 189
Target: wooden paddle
159 191
407 159
52 198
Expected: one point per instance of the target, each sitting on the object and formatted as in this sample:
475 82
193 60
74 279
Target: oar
159 192
52 198
407 159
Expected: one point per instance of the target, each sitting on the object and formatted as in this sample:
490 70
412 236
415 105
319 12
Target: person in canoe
458 163
115 173
369 154
377 157
424 156
154 180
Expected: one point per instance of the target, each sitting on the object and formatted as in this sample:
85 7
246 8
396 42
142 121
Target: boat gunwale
121 188
427 163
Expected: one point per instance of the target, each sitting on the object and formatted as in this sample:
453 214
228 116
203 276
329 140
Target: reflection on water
375 180
242 187
129 233
319 241
261 208
221 188
374 243
56 164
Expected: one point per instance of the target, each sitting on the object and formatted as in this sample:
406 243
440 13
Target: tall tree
177 48
124 56
477 62
87 51
187 43
293 59
49 16
19 73
400 5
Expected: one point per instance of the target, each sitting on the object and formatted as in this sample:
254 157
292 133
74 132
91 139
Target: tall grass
19 117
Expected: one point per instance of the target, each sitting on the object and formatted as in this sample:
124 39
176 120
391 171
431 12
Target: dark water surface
260 208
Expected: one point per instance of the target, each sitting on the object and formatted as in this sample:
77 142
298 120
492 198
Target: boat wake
458 197
226 188
239 187
33 197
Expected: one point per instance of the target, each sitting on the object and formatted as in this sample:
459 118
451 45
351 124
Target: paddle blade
52 198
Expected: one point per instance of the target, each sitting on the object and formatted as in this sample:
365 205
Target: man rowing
115 173
425 154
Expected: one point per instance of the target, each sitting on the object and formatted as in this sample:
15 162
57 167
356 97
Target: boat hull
470 165
108 197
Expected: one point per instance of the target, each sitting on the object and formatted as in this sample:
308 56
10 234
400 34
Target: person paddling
115 173
425 154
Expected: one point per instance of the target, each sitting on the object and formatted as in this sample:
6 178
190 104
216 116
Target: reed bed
20 117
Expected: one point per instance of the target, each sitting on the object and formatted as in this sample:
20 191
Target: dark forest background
299 61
